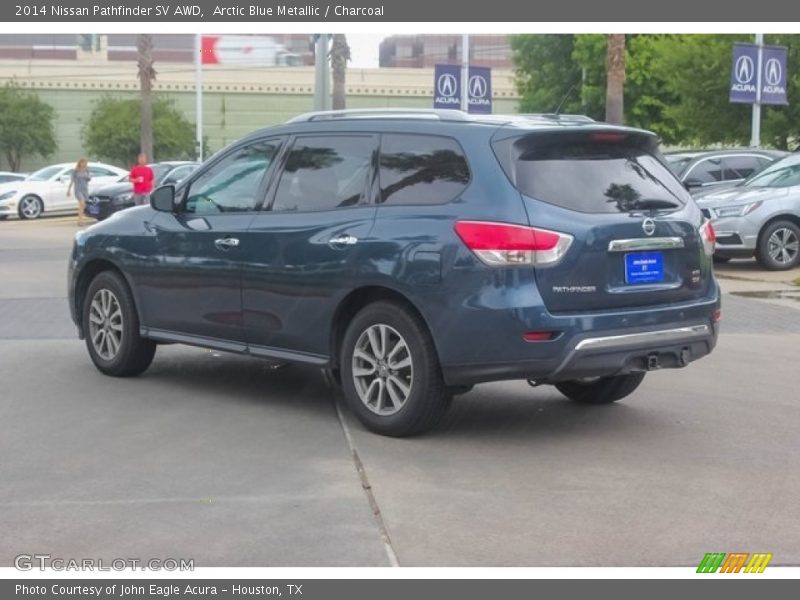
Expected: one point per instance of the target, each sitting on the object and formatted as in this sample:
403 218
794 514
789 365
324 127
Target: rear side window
593 176
421 169
325 172
741 167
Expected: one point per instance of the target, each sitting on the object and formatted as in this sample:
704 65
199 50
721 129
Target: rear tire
603 390
390 371
779 246
111 328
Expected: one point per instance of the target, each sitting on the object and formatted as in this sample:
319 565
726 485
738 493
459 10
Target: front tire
601 390
779 246
30 207
390 371
111 328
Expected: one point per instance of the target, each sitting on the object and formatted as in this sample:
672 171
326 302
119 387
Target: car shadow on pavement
542 415
228 378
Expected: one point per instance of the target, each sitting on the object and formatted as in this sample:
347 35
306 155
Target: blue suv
411 255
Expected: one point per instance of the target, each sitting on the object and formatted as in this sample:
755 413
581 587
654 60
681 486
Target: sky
364 49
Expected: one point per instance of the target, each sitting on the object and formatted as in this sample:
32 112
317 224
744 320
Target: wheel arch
779 217
357 299
87 273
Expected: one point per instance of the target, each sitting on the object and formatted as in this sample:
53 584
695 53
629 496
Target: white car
45 191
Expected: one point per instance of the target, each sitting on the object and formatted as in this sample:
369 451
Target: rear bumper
591 355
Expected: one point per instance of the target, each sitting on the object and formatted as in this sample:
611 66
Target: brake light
503 244
607 136
709 237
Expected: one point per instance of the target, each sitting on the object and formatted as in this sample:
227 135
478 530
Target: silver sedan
760 217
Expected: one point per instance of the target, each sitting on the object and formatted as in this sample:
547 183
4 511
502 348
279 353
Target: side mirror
62 178
163 199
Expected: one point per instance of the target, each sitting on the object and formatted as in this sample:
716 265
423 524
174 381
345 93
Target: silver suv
760 217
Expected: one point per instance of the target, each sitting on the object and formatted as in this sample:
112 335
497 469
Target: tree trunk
615 78
340 54
144 47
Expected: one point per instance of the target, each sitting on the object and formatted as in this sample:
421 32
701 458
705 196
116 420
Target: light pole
198 95
465 72
755 128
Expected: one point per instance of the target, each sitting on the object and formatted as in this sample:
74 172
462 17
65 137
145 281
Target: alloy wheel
383 371
783 246
30 207
105 324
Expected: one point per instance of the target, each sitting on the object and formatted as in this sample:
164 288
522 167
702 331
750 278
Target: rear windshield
594 176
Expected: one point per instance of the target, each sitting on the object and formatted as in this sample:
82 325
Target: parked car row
45 191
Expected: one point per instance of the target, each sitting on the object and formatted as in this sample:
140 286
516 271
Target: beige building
236 99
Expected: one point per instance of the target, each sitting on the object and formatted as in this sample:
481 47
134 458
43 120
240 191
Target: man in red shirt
142 177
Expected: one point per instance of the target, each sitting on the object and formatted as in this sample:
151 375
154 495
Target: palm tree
615 77
147 74
340 54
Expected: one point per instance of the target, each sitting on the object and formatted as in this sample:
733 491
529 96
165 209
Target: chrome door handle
340 241
226 243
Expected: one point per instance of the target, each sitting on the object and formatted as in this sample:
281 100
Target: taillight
709 237
503 244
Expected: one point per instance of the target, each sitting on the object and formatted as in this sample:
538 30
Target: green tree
545 72
112 131
696 71
26 125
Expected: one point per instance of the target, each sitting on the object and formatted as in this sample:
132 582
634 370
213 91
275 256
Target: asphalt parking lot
229 462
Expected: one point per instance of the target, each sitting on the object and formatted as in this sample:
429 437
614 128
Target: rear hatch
638 238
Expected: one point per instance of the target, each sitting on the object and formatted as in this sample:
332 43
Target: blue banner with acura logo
479 88
747 71
773 75
447 88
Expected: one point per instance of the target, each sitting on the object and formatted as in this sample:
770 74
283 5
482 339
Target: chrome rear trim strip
659 243
645 338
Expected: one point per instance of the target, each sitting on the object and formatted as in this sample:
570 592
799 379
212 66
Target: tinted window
159 171
741 167
45 174
178 173
706 171
421 169
594 176
678 164
234 183
785 173
322 173
100 172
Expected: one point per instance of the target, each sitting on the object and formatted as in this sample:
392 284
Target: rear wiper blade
653 204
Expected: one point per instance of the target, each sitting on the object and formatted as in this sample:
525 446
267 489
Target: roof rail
382 113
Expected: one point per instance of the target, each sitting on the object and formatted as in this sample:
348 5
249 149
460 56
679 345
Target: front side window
421 169
324 173
234 183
